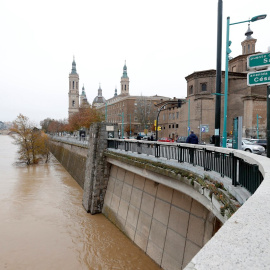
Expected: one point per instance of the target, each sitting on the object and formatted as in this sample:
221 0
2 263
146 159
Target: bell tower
125 82
248 45
73 93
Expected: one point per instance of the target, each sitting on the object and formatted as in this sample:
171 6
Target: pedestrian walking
193 139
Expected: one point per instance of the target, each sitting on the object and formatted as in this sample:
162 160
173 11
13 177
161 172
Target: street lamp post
122 128
122 125
258 117
228 51
188 117
129 125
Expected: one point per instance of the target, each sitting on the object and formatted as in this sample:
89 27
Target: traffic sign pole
268 121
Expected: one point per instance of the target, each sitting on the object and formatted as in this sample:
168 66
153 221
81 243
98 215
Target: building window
173 115
191 90
169 126
73 103
204 87
125 87
73 85
176 125
76 85
233 68
177 115
248 48
172 126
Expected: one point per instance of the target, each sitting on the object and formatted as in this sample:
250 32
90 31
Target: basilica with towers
198 108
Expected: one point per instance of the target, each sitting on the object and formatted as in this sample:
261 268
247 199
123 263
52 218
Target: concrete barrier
243 242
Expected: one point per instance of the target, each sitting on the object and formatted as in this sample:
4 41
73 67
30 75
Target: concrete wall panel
168 225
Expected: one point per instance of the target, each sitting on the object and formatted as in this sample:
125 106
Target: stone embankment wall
72 157
168 225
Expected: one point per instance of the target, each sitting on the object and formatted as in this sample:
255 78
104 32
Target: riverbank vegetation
32 142
82 119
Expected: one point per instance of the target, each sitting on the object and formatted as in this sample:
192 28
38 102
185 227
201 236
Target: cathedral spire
125 81
125 71
73 70
99 91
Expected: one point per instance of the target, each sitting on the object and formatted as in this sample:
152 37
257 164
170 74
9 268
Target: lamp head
258 17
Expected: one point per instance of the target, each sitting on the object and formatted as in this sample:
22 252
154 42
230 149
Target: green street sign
258 78
258 60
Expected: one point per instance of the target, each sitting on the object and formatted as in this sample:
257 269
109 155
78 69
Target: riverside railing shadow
226 164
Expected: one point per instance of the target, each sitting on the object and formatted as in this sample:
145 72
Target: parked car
262 142
181 139
229 143
251 147
165 139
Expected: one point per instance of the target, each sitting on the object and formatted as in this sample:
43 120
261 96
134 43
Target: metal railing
227 164
74 140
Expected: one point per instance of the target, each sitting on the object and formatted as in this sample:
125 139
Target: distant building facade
127 110
198 109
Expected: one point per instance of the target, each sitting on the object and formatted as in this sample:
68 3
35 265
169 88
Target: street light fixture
228 51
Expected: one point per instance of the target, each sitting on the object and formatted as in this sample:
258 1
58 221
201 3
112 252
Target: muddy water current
44 226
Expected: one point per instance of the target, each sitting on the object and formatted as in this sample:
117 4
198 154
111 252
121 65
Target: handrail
220 160
72 140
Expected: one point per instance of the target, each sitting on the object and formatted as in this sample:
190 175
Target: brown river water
43 224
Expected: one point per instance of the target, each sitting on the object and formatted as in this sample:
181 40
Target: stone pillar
97 169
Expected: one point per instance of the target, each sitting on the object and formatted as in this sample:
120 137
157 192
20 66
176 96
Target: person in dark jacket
192 138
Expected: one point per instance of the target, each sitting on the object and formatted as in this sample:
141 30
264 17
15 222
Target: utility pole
218 75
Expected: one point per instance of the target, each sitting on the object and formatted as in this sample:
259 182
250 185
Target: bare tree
146 112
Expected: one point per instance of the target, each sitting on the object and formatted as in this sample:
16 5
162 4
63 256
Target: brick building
131 113
198 109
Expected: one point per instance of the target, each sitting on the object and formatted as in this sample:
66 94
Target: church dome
99 98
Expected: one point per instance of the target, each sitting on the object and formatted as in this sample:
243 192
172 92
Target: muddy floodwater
44 226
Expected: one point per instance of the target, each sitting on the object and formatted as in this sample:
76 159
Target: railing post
157 150
204 160
234 170
126 146
139 150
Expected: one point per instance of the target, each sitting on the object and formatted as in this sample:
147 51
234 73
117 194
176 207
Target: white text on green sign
258 60
257 78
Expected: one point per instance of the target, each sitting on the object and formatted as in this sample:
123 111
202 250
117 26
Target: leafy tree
84 118
128 129
33 144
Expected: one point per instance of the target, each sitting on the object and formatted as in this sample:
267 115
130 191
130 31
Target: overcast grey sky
161 41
